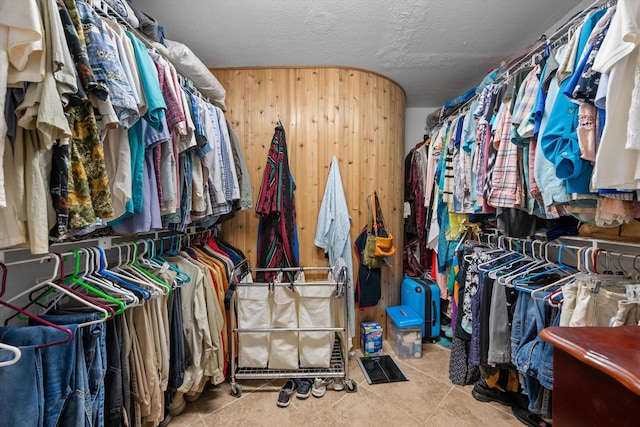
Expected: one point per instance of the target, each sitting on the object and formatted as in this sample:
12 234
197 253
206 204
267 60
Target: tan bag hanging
369 253
384 238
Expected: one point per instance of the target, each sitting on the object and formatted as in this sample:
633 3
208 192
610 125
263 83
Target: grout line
345 395
440 404
425 373
501 409
236 399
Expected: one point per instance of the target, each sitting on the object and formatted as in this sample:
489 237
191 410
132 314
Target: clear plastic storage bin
404 331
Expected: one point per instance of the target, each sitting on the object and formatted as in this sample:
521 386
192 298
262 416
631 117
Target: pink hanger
32 316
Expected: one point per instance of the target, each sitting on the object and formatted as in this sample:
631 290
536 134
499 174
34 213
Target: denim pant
90 367
529 353
21 382
42 380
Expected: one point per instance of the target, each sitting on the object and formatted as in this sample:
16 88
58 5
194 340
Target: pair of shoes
178 404
303 387
284 397
527 418
444 342
337 385
320 385
166 421
192 397
486 394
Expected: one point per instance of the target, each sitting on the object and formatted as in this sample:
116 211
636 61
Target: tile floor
427 399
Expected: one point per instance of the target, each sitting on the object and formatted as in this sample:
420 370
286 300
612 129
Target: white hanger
50 282
16 352
110 288
566 279
532 260
128 272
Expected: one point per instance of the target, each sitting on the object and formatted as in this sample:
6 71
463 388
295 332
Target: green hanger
181 276
74 278
145 272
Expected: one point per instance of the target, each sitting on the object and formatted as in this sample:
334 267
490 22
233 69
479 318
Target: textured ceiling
435 49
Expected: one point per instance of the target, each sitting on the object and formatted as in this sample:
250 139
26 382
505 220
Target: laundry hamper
283 346
254 312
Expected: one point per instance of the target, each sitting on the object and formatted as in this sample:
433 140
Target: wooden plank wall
355 115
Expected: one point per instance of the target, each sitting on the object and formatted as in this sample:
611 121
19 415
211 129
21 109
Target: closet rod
537 48
111 13
291 269
595 254
42 259
104 242
273 285
557 35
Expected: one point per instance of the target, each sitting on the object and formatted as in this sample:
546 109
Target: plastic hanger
128 271
559 267
103 271
85 301
17 354
548 267
112 288
51 290
535 293
144 271
537 261
595 279
531 262
74 279
66 331
181 276
511 256
508 266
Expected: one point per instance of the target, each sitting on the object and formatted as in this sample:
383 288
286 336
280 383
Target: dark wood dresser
596 376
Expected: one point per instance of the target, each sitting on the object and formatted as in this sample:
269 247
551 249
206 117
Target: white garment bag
253 312
283 353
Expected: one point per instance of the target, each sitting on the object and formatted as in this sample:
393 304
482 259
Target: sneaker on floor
192 397
284 397
337 385
166 421
178 404
527 418
303 387
485 394
319 387
444 342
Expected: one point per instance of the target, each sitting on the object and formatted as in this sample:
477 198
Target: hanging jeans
90 366
43 380
529 353
22 382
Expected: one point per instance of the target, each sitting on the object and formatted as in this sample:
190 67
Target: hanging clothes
332 231
277 232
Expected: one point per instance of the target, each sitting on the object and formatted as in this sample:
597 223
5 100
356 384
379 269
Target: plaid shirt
174 112
523 108
505 176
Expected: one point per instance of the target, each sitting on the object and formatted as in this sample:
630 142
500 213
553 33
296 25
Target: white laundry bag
315 310
283 346
253 312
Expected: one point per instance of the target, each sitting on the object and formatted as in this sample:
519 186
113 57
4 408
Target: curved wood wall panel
353 114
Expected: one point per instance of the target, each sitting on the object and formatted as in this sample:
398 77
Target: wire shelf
336 369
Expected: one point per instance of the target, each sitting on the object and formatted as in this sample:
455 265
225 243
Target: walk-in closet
362 213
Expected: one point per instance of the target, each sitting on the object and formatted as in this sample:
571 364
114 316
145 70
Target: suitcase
424 298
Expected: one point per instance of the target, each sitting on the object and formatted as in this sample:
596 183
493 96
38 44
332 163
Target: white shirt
617 167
